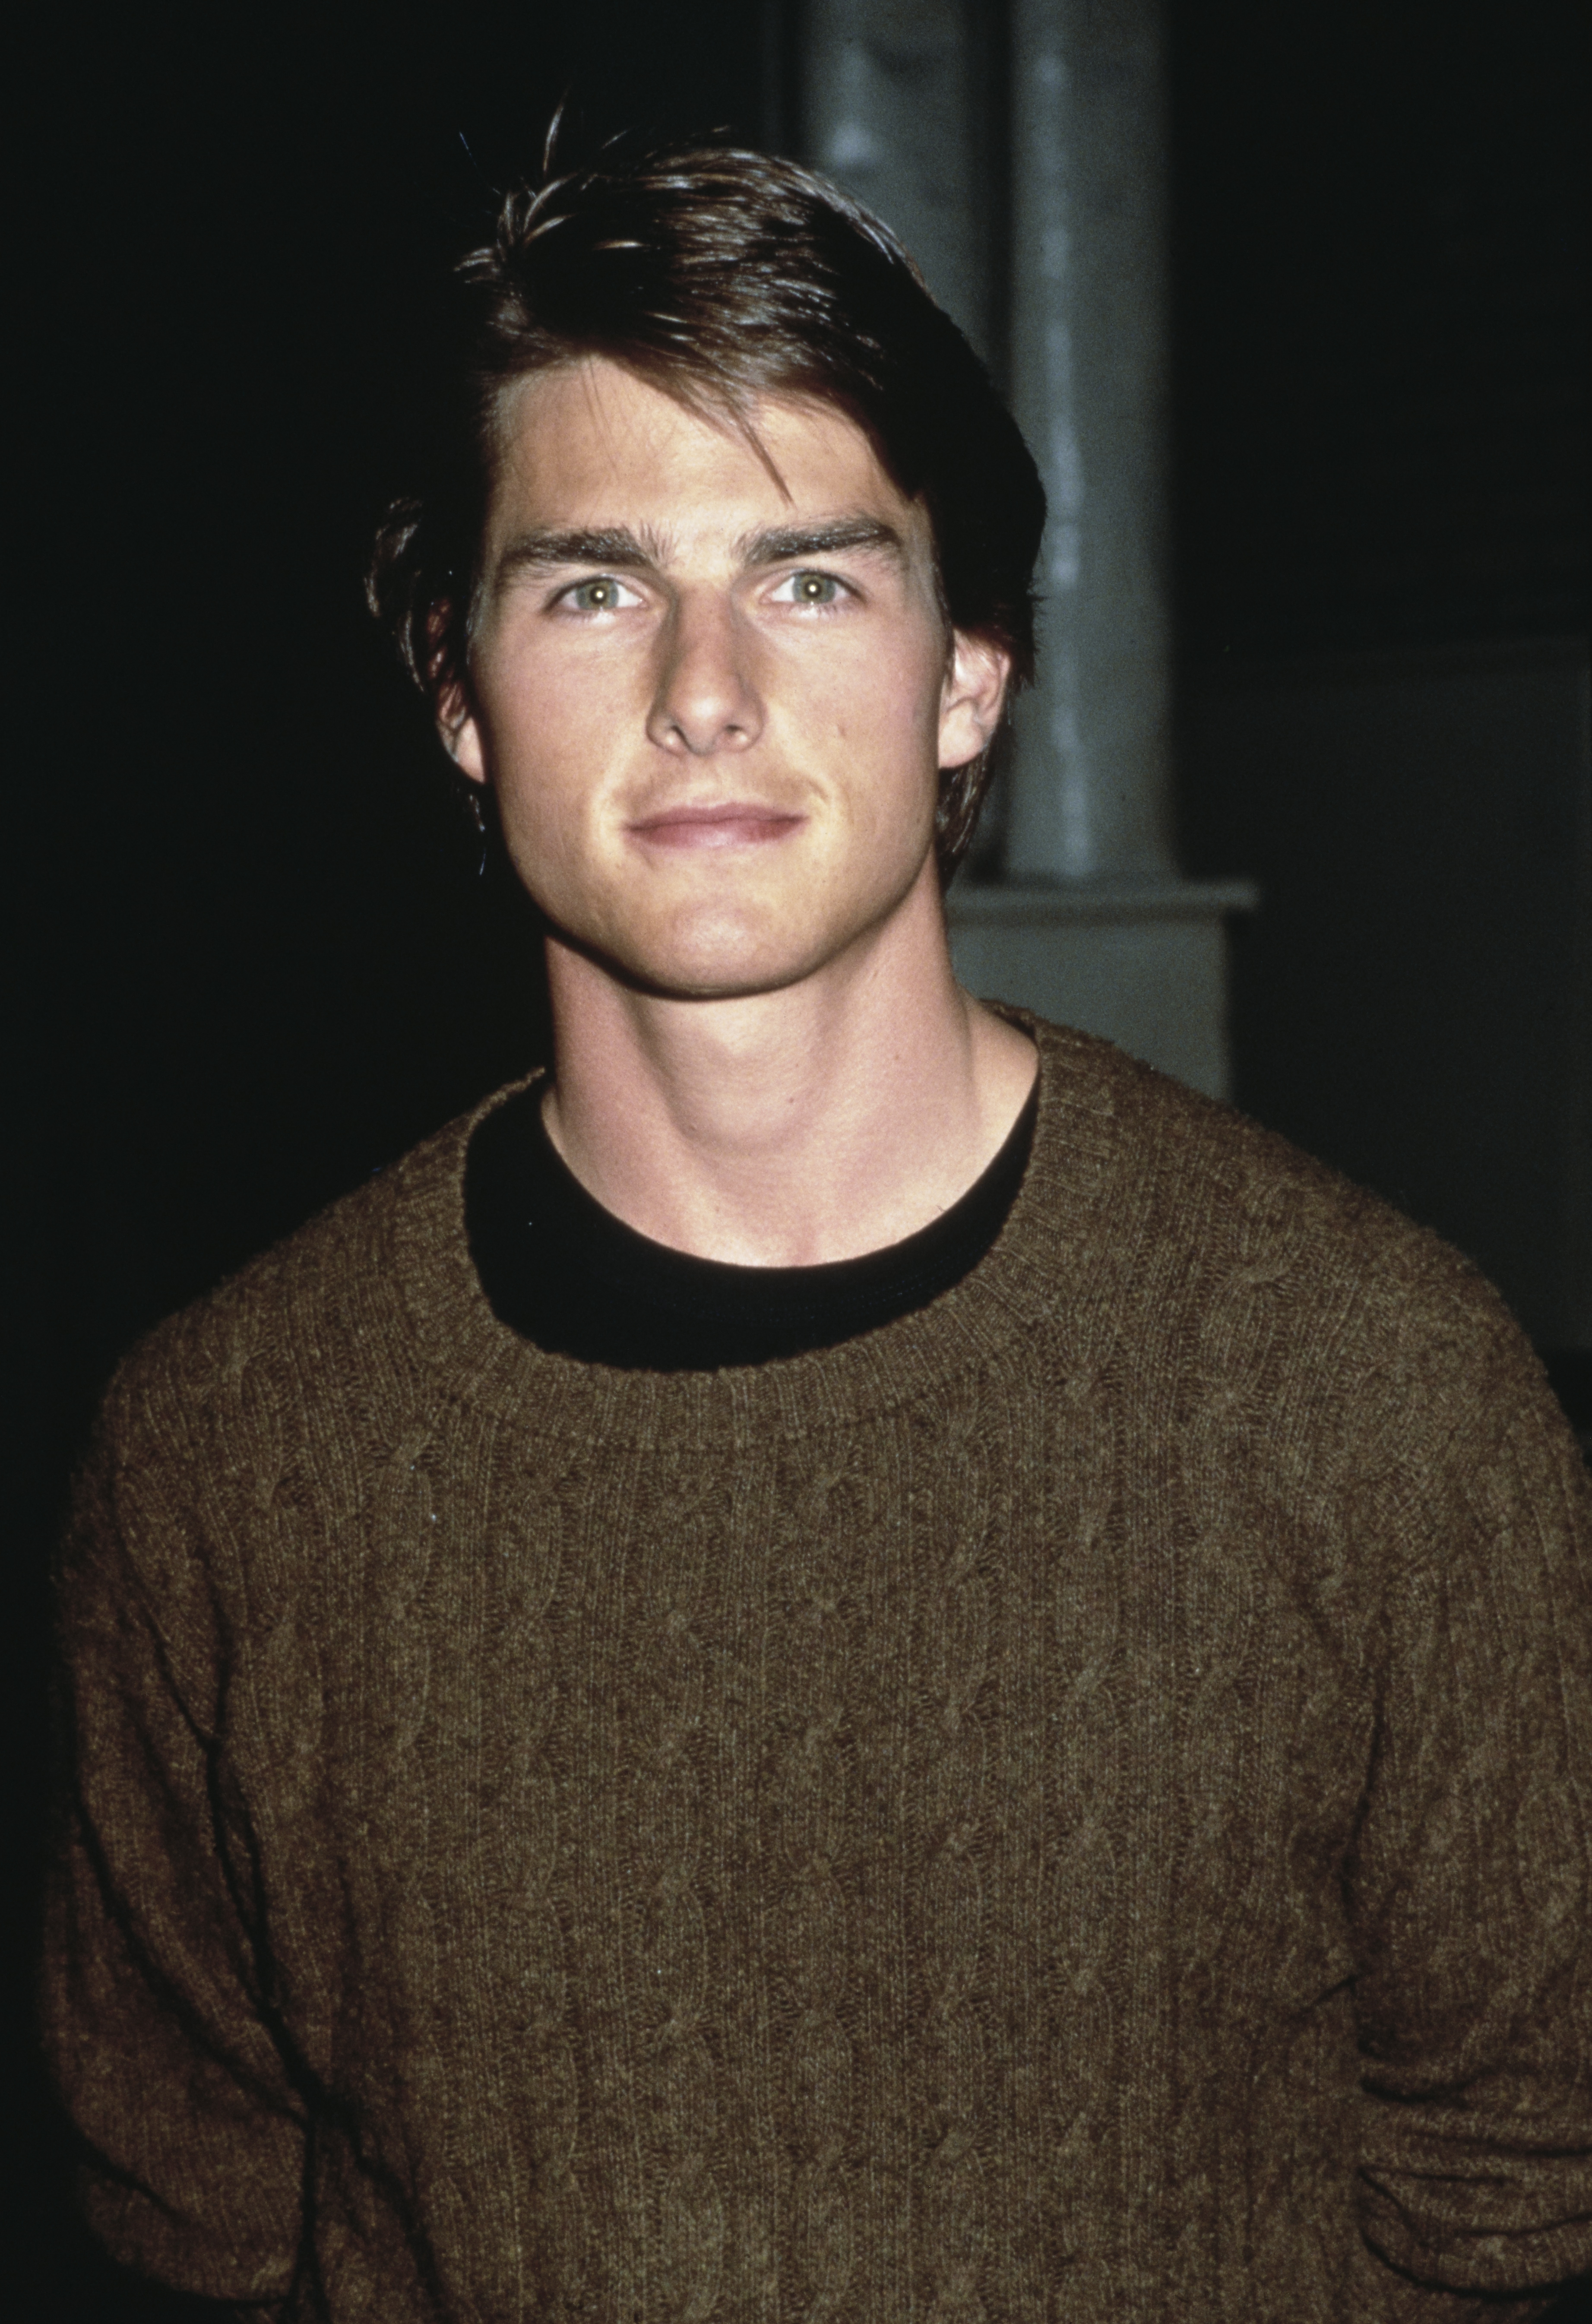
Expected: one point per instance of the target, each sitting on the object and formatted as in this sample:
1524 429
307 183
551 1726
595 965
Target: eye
808 589
602 595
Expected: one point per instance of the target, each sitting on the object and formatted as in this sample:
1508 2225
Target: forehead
593 443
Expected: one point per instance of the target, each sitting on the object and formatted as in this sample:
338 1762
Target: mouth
727 823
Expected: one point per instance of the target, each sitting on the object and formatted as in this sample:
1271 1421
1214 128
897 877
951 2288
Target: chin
729 958
720 975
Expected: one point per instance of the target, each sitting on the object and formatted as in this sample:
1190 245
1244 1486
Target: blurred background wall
1317 418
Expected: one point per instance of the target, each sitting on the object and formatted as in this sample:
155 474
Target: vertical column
889 111
1089 796
1092 925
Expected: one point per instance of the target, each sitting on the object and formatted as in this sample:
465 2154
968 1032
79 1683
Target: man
851 1658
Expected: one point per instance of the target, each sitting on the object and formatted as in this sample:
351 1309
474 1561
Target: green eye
596 596
814 588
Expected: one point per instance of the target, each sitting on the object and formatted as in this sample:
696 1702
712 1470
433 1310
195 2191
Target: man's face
712 700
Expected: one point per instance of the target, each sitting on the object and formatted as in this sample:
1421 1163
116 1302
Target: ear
971 697
456 724
460 733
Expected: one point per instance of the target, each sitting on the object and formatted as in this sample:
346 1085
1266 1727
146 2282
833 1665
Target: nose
705 701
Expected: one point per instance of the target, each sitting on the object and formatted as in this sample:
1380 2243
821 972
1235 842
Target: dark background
1381 274
257 959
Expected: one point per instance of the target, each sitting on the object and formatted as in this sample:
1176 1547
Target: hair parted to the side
722 278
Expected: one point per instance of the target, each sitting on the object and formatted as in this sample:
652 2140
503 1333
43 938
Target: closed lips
726 823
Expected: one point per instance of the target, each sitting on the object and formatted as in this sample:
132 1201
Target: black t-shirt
567 1274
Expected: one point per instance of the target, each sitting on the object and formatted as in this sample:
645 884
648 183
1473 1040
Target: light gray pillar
1092 924
889 112
1090 794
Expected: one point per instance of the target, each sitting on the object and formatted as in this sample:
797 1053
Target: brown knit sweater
1074 1805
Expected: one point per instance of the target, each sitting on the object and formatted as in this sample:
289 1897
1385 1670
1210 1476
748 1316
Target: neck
787 1129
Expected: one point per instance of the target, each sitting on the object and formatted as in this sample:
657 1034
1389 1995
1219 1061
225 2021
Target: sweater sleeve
1471 1886
155 2005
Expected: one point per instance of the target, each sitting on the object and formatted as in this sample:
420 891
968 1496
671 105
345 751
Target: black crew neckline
568 1274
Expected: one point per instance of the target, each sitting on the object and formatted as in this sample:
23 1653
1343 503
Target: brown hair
720 277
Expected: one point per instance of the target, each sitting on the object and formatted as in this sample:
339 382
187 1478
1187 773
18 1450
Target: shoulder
241 1438
1194 1170
323 1335
1271 1269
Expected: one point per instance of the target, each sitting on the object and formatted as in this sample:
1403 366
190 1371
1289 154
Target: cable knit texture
1071 1805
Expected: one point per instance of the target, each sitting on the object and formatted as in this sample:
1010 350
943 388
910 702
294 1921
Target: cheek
899 715
529 701
886 702
541 737
909 688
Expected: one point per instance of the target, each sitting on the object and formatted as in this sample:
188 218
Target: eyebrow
777 543
618 549
608 545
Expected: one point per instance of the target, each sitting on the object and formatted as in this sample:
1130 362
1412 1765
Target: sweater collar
1047 1261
